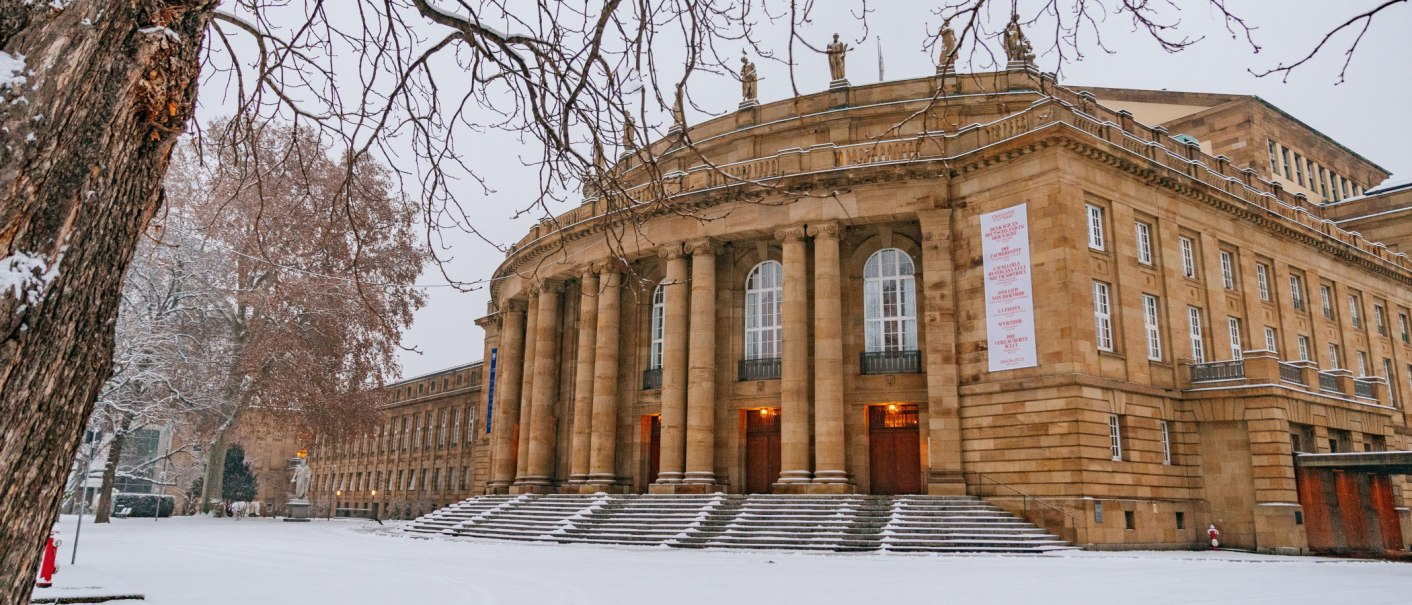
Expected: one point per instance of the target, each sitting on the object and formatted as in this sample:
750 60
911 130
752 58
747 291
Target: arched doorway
762 450
894 449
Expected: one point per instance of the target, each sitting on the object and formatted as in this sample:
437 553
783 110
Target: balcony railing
1291 373
892 362
1329 383
1364 388
1218 370
651 379
765 368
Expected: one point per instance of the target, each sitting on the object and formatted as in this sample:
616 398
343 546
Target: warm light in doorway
764 412
892 408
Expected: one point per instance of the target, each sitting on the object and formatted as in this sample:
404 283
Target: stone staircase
844 523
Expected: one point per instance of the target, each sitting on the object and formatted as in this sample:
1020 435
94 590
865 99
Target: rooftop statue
629 133
948 46
748 92
1017 46
835 51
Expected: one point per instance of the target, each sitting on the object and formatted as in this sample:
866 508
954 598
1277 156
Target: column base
668 477
497 488
831 477
699 478
795 477
684 488
578 479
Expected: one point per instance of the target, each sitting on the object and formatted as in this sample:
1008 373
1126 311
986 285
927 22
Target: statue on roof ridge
836 51
748 91
1017 46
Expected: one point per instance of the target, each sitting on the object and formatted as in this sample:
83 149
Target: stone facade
430 450
1119 440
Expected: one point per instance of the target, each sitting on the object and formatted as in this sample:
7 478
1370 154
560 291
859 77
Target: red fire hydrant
50 564
1214 534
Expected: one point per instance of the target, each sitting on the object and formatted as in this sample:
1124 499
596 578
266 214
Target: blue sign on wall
490 391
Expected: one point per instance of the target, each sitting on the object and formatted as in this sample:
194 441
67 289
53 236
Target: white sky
1367 113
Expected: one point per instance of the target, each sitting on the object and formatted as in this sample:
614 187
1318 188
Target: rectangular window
1144 243
1274 161
1335 359
1355 313
1152 327
1345 183
1380 319
1129 519
1324 183
1166 444
1095 226
1115 438
1198 346
1303 343
1188 257
1391 383
1227 270
1299 169
1362 363
1262 281
1402 327
1102 317
1296 292
1271 343
1284 158
1233 327
1326 298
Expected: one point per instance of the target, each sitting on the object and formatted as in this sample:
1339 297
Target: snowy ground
217 561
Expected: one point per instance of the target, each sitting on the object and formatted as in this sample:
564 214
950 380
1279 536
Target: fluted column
546 383
674 368
583 377
794 362
603 445
701 391
510 365
527 387
828 357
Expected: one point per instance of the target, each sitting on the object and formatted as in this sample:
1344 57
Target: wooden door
894 449
654 450
762 450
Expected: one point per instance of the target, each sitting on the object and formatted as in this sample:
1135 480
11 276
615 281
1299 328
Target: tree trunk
109 86
213 484
105 489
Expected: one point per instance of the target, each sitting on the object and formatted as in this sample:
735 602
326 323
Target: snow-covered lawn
248 561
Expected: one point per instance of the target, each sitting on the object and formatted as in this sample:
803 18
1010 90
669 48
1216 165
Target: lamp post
339 494
375 506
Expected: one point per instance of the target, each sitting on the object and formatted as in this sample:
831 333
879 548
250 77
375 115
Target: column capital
829 230
703 246
514 305
547 286
792 233
588 271
605 267
670 251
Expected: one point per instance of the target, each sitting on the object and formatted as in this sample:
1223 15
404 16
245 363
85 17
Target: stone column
546 374
510 366
674 368
701 390
945 470
583 377
603 443
794 362
527 387
829 444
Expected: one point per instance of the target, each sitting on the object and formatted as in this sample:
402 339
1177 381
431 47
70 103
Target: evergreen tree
240 484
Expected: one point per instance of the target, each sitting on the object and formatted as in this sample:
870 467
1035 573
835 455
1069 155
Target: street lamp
375 506
339 494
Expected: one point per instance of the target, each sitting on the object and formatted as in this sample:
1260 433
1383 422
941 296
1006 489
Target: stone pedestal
298 511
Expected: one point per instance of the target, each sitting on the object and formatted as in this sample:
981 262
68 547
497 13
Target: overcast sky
1368 112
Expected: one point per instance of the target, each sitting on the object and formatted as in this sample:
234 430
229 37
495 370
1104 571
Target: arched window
762 311
890 301
659 316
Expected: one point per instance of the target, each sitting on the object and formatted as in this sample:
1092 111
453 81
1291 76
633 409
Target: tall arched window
890 301
659 316
762 311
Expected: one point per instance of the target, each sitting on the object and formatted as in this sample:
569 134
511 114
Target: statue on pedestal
1017 46
302 477
748 92
629 133
836 51
678 112
948 48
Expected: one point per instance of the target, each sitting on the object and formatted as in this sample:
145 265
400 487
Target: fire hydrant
50 562
1214 534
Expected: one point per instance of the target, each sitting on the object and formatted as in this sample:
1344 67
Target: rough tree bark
104 512
86 138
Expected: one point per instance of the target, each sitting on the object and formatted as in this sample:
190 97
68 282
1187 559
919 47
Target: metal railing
1068 520
891 362
764 368
1291 373
1329 383
651 379
1218 370
1364 388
